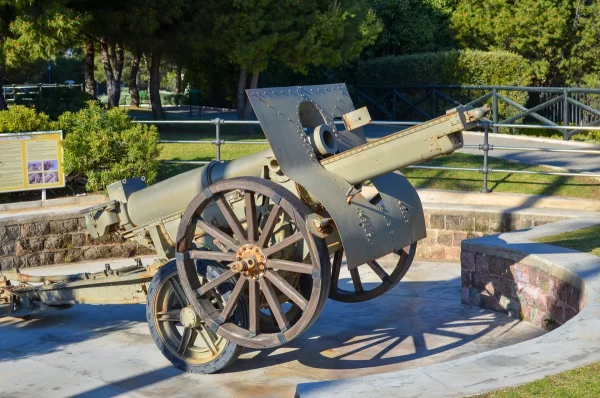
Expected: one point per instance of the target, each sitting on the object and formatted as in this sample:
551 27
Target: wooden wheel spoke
251 219
232 220
219 235
287 289
168 316
211 255
274 305
378 270
290 240
254 304
233 298
209 338
356 280
187 339
293 266
336 267
178 292
215 282
269 226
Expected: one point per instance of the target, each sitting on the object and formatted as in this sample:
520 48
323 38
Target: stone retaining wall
52 239
447 227
525 291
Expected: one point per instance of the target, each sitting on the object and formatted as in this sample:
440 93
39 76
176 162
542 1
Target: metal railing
485 146
26 92
550 106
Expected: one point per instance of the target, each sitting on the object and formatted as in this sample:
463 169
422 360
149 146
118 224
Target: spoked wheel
357 291
179 332
268 267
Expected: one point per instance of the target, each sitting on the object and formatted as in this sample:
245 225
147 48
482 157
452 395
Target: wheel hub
255 258
189 319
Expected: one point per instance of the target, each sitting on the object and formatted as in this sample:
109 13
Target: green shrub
144 97
20 119
56 101
106 146
461 67
167 98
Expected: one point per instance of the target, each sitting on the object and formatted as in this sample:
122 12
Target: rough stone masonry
45 240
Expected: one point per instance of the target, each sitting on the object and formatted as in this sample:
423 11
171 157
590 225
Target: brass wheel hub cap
255 257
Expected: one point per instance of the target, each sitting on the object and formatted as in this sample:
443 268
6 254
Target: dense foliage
560 38
55 101
465 67
106 146
450 67
21 119
412 26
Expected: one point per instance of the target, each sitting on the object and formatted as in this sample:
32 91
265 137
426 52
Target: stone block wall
47 240
524 291
53 239
447 228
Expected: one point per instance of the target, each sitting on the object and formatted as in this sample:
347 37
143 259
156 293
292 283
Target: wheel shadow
414 321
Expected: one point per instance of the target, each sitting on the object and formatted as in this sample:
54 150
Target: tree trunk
133 88
178 80
157 110
118 63
88 68
247 113
3 104
241 94
113 59
147 62
108 71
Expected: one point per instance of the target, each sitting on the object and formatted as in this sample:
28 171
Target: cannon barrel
396 151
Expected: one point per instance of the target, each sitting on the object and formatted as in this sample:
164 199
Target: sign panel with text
31 161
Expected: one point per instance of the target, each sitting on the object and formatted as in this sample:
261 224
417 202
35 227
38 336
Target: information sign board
31 161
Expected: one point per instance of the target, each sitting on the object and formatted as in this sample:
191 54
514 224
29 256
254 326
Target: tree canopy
413 26
296 34
33 29
559 37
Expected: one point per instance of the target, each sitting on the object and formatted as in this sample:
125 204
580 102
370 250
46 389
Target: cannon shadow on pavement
48 334
417 323
417 320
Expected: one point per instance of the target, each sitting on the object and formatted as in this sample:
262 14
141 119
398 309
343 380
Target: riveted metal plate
364 228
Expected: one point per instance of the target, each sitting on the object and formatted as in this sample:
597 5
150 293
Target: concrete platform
576 343
102 351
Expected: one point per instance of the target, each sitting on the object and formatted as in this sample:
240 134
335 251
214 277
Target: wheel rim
189 341
268 279
359 293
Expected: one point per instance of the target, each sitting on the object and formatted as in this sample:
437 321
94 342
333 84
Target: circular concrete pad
107 350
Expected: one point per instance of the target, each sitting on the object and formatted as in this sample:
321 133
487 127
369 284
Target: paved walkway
571 161
105 351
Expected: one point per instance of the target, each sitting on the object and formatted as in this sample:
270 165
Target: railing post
565 113
433 103
485 148
217 122
495 109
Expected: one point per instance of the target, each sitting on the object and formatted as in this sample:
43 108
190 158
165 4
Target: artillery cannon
249 250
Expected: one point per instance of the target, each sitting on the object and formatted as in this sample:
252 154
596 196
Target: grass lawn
577 187
578 383
439 179
585 240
